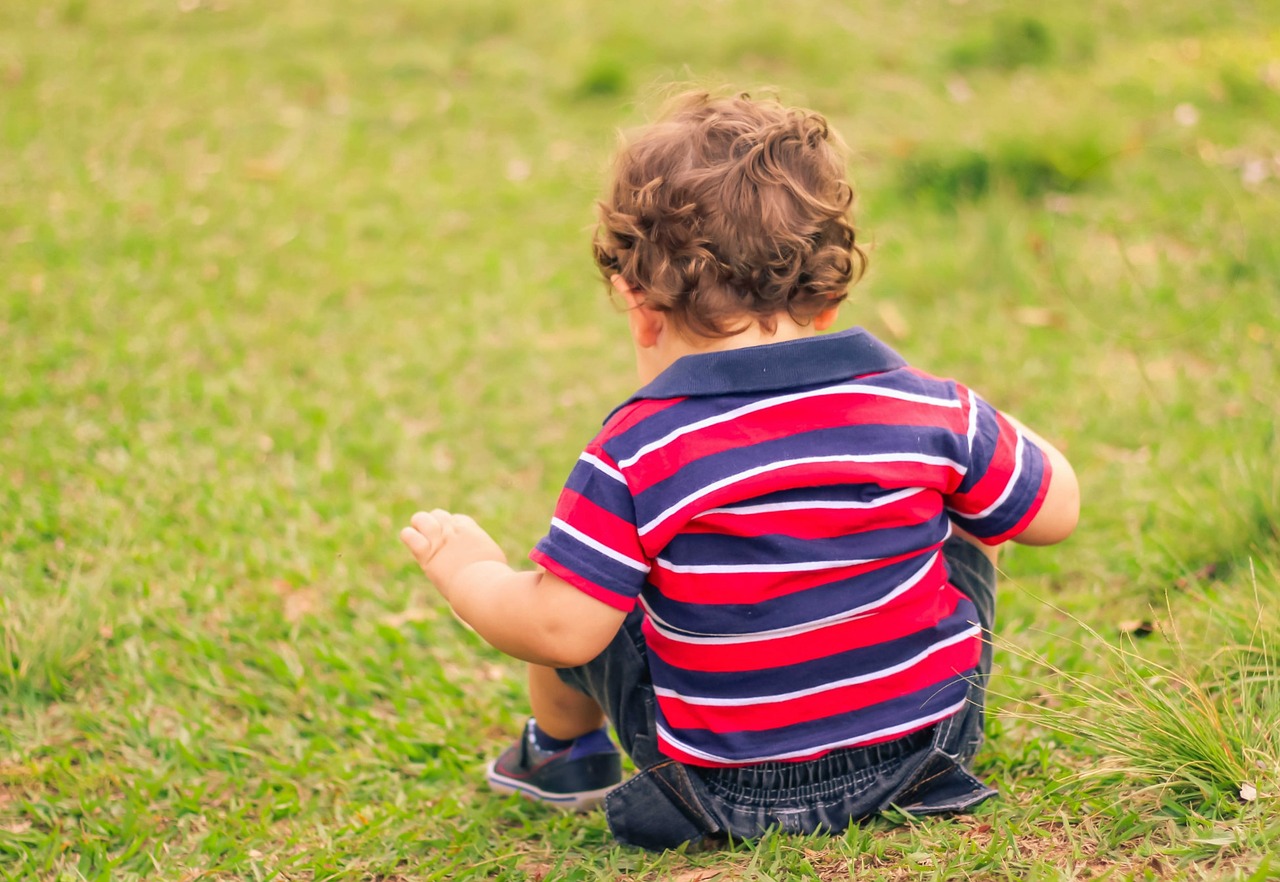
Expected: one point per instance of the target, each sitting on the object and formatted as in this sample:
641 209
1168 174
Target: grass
273 276
1196 732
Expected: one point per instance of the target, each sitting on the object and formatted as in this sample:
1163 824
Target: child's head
730 211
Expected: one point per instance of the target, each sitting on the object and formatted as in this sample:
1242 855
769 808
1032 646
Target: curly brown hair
731 210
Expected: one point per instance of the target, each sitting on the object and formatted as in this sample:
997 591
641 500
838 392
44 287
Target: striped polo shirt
779 512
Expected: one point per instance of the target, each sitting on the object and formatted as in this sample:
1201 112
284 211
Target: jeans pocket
659 808
939 784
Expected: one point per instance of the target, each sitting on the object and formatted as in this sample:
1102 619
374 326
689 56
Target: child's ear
826 318
628 291
646 323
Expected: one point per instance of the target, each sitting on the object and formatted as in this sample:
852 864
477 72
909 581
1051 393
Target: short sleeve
593 543
1007 476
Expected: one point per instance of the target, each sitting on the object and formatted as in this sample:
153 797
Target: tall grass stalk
1200 728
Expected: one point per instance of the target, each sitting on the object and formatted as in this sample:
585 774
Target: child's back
779 512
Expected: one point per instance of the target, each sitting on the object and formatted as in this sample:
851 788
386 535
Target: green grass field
275 275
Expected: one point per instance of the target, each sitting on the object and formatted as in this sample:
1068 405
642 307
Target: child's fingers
432 524
478 540
426 533
419 546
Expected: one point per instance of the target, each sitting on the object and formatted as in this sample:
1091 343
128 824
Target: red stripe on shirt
923 606
634 413
817 522
749 587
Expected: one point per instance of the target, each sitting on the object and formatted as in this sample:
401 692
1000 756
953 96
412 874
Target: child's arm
534 616
1016 485
1060 510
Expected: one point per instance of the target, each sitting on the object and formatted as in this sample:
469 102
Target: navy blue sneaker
574 777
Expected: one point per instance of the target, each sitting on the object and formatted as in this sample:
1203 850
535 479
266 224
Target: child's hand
444 544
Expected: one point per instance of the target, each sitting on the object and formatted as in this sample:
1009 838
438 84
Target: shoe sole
581 801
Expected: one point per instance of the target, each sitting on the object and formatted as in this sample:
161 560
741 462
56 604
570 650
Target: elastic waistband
848 762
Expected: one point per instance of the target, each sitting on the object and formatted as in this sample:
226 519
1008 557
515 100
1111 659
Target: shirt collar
808 361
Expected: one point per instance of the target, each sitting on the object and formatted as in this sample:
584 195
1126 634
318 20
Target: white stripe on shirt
586 540
973 422
603 467
1008 488
800 566
813 504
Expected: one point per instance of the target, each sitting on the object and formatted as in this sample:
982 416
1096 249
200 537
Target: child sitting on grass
772 571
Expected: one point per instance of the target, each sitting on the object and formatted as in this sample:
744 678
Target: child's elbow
1067 508
564 627
574 633
570 650
1059 514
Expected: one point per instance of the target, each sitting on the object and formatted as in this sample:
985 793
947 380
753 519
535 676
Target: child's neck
673 344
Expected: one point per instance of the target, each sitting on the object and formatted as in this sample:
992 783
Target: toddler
772 571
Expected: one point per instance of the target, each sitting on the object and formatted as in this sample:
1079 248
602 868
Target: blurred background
274 276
